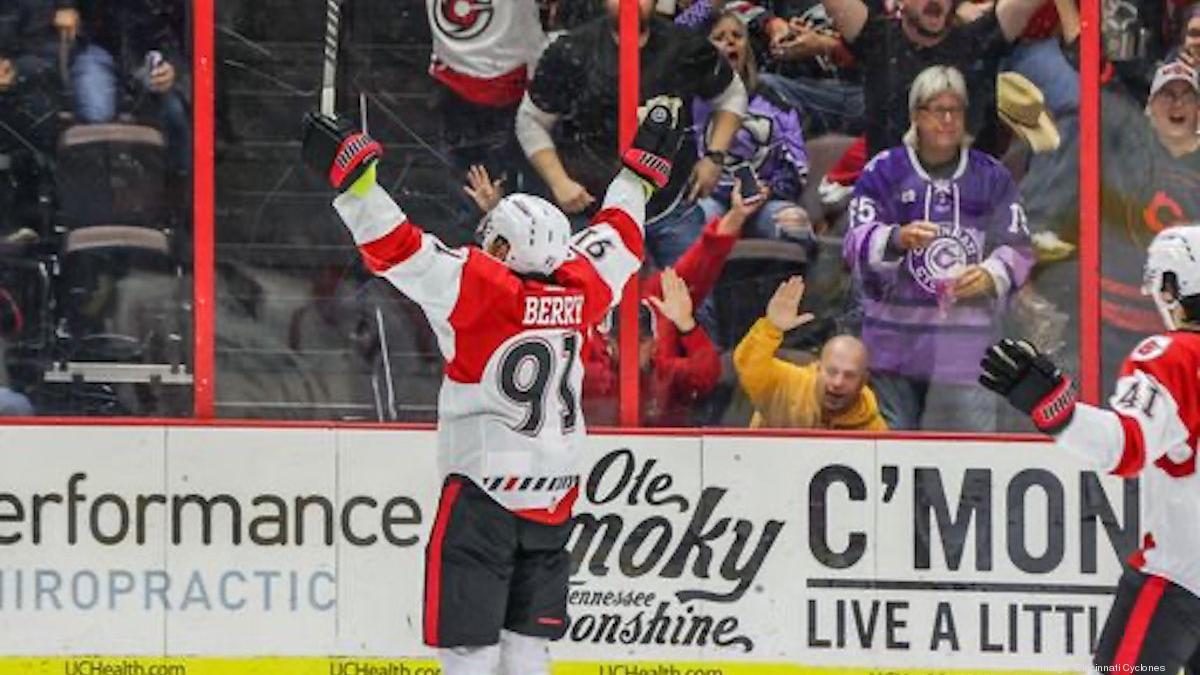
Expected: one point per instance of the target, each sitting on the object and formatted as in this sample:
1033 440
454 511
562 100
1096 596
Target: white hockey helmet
1173 263
537 233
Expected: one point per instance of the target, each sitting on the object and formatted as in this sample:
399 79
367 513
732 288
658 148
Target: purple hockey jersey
770 140
910 325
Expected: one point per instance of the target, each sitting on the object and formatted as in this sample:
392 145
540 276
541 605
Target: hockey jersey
508 410
1152 431
486 49
907 324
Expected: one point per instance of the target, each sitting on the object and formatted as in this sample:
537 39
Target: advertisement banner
229 550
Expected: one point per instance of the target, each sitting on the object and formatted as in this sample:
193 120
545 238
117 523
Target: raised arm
555 87
392 247
1142 426
610 250
849 16
1014 15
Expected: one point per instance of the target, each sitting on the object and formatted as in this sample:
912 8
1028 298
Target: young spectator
892 51
769 142
135 48
937 244
481 61
677 359
574 94
830 393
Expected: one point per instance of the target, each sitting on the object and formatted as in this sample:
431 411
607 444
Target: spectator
135 49
1150 177
481 63
937 244
575 93
769 141
831 393
892 51
676 357
1187 49
28 103
810 65
815 70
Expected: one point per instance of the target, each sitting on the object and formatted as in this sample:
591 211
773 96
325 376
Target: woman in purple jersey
937 243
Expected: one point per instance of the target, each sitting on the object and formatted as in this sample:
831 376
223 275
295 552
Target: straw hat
1023 109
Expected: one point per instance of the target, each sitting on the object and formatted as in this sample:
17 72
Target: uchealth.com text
109 666
356 667
657 669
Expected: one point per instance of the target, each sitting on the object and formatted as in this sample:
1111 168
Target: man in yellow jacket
831 393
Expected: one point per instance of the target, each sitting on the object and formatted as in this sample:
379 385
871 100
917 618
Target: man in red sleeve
677 359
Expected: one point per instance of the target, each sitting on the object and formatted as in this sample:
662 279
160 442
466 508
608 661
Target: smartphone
749 184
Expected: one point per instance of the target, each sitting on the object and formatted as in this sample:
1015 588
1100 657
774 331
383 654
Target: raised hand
676 302
335 148
484 191
1016 370
652 153
783 310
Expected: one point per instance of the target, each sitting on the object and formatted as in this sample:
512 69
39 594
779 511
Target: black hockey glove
657 140
1031 383
338 150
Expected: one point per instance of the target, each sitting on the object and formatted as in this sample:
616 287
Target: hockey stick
333 19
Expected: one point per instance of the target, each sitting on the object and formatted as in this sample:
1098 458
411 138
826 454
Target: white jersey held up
1153 431
508 412
485 50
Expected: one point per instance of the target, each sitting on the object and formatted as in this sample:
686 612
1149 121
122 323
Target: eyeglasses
1187 97
944 112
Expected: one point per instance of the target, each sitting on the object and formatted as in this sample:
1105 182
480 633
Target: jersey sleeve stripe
1133 450
392 248
626 227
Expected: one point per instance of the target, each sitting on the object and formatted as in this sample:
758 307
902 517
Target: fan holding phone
767 159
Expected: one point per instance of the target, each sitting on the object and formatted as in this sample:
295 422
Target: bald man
831 393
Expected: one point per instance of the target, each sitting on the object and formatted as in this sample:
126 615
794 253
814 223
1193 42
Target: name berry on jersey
553 310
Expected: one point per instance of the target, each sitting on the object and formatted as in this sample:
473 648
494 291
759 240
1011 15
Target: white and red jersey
508 412
1152 431
485 49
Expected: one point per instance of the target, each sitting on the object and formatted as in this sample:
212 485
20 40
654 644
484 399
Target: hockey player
1152 431
508 319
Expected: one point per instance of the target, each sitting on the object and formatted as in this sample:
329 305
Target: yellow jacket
785 394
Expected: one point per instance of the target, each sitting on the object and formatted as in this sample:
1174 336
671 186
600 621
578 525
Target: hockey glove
658 138
336 149
1031 383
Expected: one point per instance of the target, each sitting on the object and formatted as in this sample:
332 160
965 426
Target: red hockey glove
1031 383
657 140
335 148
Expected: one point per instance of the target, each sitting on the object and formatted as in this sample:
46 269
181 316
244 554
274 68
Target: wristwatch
717 156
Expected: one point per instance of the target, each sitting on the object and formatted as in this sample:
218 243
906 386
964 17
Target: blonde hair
931 83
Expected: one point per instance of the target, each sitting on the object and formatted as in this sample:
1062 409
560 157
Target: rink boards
154 549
